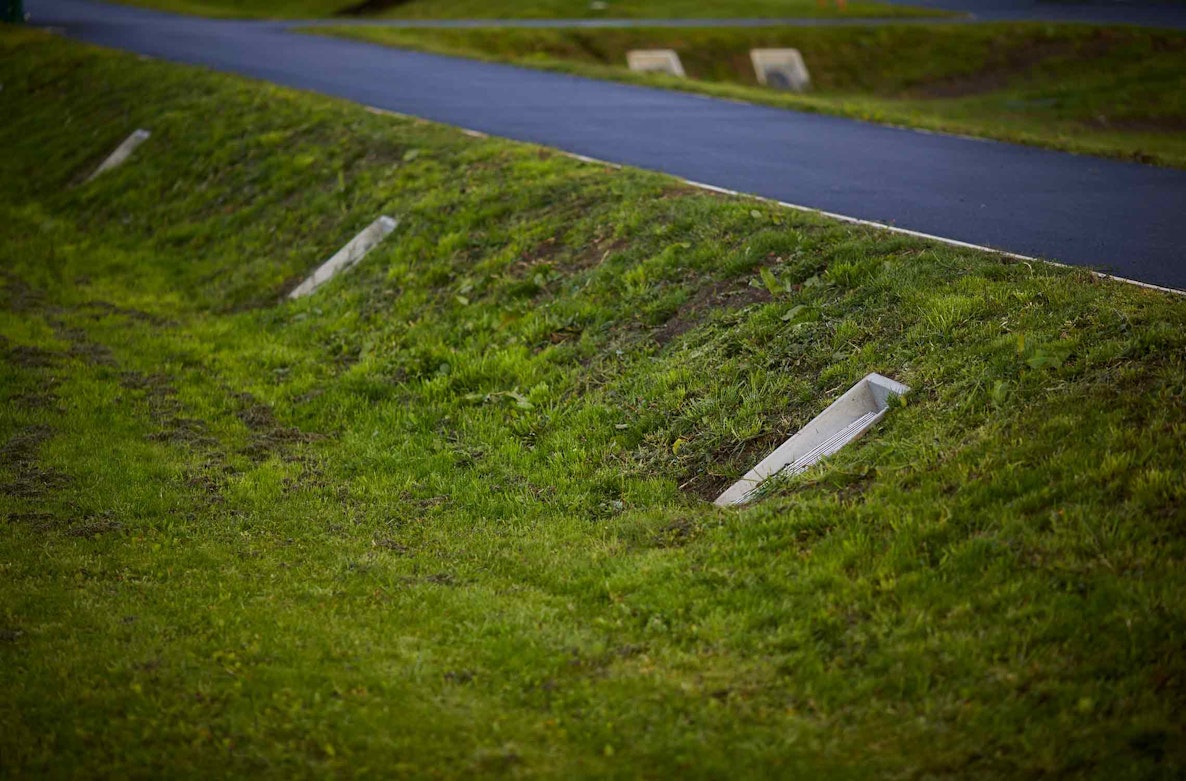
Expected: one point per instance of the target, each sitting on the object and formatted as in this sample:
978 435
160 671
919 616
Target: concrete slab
655 61
121 153
843 421
348 256
781 69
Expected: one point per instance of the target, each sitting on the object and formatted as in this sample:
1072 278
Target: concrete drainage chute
844 420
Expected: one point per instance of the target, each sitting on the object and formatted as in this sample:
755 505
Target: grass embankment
1119 92
644 9
539 9
447 516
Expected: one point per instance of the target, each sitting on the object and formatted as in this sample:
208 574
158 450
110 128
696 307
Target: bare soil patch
724 294
20 456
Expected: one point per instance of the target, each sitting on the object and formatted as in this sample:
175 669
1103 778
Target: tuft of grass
446 517
1111 91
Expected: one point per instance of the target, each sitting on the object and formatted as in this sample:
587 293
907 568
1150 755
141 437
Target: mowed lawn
448 517
1111 91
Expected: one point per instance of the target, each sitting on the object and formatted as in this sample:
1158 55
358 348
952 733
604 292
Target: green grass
1118 92
647 9
539 9
446 517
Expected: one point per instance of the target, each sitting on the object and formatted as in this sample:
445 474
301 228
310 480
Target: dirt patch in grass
209 478
98 309
20 456
685 191
705 486
184 431
159 394
18 295
38 521
723 294
32 357
166 412
82 346
594 254
42 399
94 527
268 434
388 544
21 449
544 252
154 385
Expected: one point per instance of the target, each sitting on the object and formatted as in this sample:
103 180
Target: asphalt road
1147 13
1121 218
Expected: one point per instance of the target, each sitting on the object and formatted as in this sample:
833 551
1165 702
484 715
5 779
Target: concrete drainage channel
121 153
844 420
347 257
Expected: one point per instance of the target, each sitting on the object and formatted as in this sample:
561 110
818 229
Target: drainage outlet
655 61
781 69
354 251
843 421
121 153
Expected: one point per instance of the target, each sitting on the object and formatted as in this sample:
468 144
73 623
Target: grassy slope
537 9
443 517
648 9
1108 91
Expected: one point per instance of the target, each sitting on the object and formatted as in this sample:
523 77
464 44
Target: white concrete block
843 421
121 153
655 61
781 68
348 256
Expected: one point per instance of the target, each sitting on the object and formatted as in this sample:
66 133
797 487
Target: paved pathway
1126 219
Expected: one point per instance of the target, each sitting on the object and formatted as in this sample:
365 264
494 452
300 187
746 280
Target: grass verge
540 9
1111 91
447 516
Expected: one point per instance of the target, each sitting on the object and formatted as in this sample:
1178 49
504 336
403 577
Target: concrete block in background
781 69
655 61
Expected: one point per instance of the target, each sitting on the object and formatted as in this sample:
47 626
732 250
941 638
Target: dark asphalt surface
1146 13
1121 218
